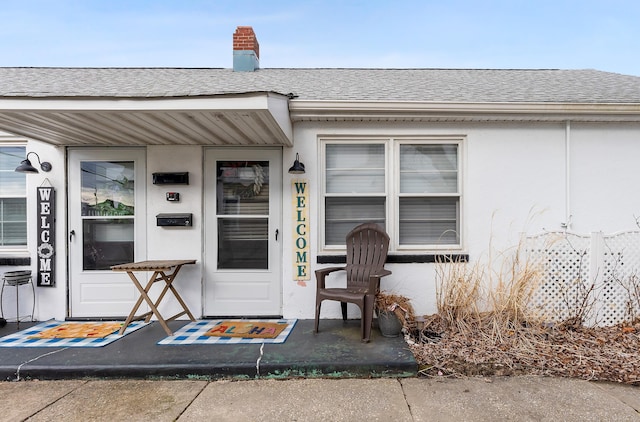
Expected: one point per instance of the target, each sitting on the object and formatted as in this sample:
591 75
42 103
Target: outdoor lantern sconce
297 167
26 167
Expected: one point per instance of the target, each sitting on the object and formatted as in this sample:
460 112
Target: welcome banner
301 265
46 205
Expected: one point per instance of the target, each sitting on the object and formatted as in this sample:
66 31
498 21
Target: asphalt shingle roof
430 85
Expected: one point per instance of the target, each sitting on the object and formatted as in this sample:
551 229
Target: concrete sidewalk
401 399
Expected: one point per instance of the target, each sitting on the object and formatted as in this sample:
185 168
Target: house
169 163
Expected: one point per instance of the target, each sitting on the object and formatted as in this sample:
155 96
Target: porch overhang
237 119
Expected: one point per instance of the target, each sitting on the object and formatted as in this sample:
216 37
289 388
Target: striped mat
29 337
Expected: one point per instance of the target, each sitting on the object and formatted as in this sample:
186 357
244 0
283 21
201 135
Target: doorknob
71 234
277 232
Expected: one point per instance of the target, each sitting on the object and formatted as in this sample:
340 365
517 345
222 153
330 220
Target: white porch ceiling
255 119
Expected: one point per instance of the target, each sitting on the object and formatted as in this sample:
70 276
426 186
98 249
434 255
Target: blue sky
567 34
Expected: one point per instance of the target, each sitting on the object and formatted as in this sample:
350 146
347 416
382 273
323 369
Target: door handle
277 232
71 234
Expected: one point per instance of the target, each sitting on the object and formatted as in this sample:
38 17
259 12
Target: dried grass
486 324
598 353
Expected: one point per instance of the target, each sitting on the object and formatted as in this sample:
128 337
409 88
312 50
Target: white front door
242 259
106 207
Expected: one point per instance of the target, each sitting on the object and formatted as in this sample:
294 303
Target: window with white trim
13 200
411 187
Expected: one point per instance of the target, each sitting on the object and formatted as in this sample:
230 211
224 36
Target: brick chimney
246 50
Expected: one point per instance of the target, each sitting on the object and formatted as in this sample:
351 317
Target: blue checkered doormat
24 338
194 333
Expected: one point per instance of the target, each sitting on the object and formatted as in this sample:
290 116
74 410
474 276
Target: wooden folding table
160 269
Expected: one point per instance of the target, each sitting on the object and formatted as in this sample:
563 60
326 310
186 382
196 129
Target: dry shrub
510 295
493 298
458 293
487 324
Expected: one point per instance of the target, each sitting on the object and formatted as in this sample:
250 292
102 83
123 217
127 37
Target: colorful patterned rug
247 329
69 334
239 331
84 330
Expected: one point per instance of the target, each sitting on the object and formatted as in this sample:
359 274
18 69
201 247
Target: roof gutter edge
322 110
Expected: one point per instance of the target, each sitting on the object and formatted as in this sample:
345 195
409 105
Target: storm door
106 209
243 194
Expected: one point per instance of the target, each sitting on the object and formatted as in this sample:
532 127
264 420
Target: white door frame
242 292
102 293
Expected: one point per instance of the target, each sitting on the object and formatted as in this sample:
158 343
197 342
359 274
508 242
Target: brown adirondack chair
367 248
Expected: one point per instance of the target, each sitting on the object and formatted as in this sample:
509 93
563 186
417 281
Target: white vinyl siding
411 187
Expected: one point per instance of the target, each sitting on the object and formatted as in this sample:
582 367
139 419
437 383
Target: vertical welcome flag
46 205
301 265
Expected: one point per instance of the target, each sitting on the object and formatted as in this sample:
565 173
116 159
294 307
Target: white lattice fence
563 263
594 277
620 280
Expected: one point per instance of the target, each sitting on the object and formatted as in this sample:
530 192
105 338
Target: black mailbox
174 219
171 178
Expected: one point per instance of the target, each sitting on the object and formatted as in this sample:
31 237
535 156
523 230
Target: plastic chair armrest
374 279
322 273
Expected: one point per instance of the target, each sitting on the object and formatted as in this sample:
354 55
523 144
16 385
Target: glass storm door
106 201
242 239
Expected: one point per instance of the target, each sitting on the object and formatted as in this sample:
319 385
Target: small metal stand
17 279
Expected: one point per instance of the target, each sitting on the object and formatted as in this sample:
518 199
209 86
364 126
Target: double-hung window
13 201
410 187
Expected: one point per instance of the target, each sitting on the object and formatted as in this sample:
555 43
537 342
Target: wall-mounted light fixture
26 167
297 167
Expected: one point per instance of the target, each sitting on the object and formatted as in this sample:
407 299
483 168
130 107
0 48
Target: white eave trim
221 103
444 111
252 115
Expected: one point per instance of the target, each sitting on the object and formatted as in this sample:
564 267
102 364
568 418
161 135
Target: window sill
15 261
400 259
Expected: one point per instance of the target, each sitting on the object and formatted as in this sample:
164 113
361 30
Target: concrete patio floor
336 351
